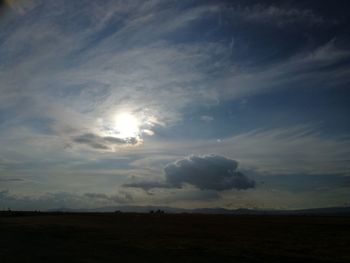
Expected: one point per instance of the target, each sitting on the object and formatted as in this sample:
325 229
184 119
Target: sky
191 104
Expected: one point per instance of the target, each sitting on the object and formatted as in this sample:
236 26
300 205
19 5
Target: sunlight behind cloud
127 125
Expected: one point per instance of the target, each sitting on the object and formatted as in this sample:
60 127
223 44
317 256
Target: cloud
19 6
207 172
286 150
52 200
4 163
104 142
289 149
211 172
120 197
147 185
5 195
207 118
183 195
74 63
122 56
10 179
277 15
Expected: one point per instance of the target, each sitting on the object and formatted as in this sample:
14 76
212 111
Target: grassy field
128 237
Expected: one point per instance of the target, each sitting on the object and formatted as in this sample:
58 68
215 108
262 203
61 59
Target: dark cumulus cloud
103 142
208 172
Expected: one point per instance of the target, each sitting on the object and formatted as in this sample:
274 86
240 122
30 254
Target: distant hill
341 211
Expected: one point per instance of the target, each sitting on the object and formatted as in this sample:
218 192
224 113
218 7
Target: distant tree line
158 211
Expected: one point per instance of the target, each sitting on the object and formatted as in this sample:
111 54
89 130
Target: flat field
131 237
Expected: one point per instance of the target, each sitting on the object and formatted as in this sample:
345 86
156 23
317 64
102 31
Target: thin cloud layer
277 15
122 56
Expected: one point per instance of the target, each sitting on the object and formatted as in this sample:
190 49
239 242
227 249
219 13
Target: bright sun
127 125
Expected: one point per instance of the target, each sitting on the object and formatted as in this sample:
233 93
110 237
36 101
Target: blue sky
179 103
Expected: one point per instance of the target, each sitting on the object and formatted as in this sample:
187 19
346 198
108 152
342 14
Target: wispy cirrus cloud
299 149
278 15
67 68
278 151
152 72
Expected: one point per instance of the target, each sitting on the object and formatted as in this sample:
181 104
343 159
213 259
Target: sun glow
127 125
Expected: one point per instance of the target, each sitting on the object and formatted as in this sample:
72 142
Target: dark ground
181 238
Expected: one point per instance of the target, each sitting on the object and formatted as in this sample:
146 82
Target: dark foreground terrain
127 237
